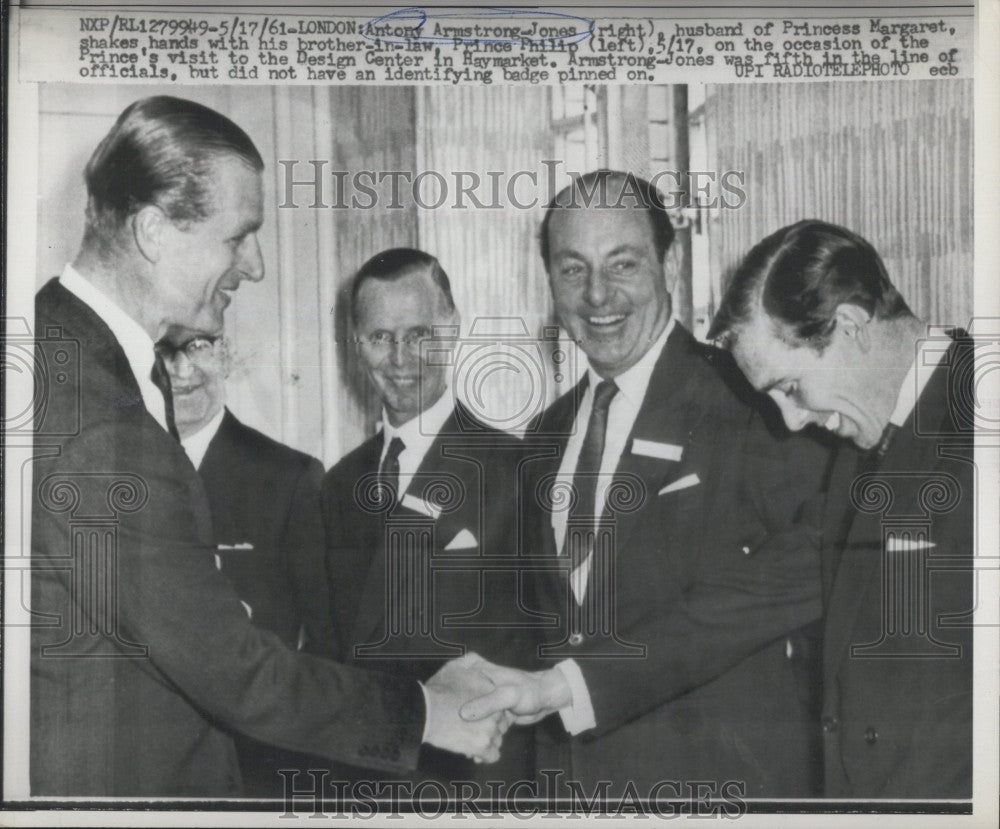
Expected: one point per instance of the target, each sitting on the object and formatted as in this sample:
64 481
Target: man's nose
795 416
179 367
399 353
251 263
596 291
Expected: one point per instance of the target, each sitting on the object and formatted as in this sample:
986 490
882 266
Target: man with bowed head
141 698
814 321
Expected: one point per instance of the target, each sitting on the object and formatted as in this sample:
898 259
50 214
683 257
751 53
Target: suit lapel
857 571
96 341
371 607
669 414
224 443
434 464
838 515
556 428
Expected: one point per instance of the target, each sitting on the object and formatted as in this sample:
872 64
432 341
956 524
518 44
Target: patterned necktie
388 471
585 477
161 380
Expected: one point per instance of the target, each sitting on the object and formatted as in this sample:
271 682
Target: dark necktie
161 380
587 468
876 455
388 471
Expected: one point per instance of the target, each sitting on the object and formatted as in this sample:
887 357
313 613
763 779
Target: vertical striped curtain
491 255
891 161
297 377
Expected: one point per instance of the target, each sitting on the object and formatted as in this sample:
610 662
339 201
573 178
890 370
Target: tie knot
161 379
603 394
888 435
396 446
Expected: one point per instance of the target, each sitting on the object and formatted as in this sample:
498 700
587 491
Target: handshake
472 702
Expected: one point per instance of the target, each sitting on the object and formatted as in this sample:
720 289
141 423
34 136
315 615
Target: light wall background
892 161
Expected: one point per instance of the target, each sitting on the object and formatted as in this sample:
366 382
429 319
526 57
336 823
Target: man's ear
148 227
853 322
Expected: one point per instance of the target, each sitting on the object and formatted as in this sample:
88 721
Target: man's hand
526 696
448 690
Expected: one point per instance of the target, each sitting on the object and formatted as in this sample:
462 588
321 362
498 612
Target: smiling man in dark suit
814 321
143 659
435 482
264 500
671 505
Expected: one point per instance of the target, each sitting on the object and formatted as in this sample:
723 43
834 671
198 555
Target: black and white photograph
508 414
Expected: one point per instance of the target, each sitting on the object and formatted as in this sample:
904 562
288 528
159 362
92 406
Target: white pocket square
463 541
655 449
421 506
895 544
681 483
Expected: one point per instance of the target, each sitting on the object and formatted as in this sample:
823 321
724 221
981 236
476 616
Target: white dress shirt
417 434
196 445
132 337
622 413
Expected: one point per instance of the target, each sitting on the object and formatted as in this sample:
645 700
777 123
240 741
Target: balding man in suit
144 661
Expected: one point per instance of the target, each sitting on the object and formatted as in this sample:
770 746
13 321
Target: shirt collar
132 337
921 369
196 445
633 382
419 432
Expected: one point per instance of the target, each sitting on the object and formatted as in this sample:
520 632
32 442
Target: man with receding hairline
405 321
678 656
144 661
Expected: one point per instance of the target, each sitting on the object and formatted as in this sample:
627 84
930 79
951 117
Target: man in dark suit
264 500
814 321
677 572
144 661
433 486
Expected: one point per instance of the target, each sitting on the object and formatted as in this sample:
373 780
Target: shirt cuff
578 716
427 711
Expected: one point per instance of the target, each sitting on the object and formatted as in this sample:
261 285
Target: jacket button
871 736
576 639
829 724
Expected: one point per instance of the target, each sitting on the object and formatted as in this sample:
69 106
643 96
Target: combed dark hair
160 152
798 276
633 192
395 263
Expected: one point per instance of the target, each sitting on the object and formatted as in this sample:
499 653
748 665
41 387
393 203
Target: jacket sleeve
753 578
172 600
304 544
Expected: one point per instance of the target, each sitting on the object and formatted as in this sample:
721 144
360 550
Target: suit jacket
699 678
266 495
143 659
897 667
472 469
